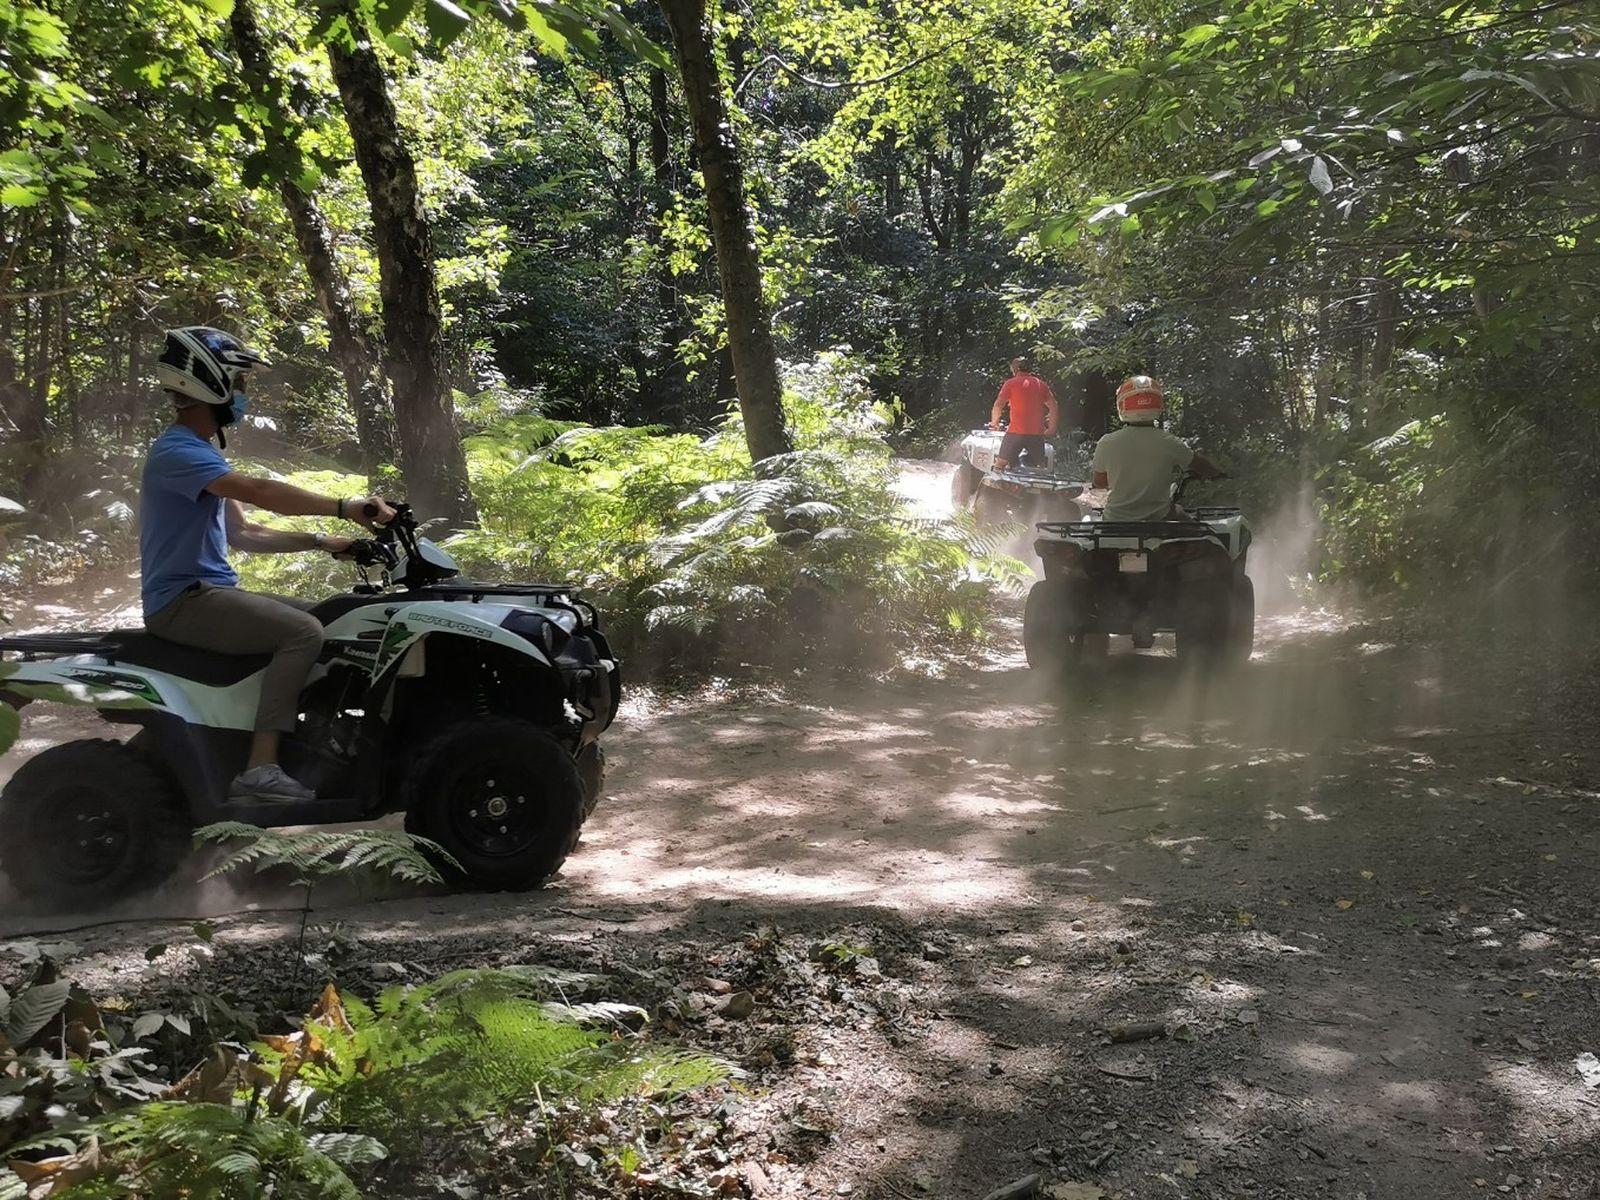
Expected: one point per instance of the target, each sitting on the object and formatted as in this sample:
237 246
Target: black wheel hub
497 812
90 831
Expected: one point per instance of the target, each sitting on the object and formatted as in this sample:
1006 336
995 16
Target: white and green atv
1140 578
474 708
1026 493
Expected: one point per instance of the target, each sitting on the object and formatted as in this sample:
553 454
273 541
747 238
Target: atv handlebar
1190 477
379 549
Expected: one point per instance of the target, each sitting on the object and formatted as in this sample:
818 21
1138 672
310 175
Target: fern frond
596 1012
390 853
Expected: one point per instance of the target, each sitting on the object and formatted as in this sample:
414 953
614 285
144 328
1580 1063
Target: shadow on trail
1353 873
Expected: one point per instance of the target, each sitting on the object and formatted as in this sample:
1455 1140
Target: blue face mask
238 406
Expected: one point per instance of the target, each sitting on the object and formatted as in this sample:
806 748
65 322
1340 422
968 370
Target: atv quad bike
1020 492
474 708
1185 575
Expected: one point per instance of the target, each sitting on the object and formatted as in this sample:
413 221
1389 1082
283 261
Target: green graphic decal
131 685
396 636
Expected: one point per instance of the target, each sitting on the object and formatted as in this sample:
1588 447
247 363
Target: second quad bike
474 708
1185 575
1026 491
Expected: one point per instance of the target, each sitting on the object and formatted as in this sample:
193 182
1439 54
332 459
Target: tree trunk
1386 316
363 377
431 458
1099 402
755 359
669 381
62 353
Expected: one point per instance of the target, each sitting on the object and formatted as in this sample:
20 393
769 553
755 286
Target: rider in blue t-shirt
191 510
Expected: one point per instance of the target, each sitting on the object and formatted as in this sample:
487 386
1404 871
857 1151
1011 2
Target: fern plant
318 854
167 1148
479 1041
289 1117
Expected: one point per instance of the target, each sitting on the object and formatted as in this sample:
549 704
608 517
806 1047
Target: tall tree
363 374
431 457
755 358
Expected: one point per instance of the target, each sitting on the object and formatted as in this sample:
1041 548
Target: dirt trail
1355 879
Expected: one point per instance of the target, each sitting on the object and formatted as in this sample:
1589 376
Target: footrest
310 812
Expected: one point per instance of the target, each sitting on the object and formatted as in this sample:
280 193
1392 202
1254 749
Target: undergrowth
308 1113
697 560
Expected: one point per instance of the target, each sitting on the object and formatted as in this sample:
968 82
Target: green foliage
691 558
479 1041
300 1112
1384 131
320 853
167 1148
695 559
1428 506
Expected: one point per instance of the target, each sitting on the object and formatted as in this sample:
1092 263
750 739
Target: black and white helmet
203 364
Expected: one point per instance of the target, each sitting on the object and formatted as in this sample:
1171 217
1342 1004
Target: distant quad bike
474 708
1140 578
1020 492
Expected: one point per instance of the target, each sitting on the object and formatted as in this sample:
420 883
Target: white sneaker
270 783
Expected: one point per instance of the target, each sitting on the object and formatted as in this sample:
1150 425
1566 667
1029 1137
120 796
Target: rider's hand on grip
372 511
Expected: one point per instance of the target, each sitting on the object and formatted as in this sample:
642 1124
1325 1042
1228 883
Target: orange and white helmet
1139 399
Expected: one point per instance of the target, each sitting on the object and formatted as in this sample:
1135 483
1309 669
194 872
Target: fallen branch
1116 1074
842 84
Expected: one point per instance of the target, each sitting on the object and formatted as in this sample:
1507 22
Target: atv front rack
552 595
477 591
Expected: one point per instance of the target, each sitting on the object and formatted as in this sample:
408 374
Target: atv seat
136 648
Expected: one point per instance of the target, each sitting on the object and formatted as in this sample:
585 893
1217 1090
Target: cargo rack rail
56 645
1139 531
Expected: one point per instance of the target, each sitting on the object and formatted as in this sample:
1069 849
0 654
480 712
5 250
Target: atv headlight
539 630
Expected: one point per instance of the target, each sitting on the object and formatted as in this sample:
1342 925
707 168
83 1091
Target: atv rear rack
1138 531
1044 481
56 645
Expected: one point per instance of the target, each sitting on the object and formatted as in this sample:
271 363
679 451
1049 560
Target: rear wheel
1204 622
993 507
87 823
1052 626
503 797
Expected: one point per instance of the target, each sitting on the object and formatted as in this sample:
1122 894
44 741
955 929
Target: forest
683 304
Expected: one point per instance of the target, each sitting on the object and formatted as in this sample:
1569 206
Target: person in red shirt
1034 416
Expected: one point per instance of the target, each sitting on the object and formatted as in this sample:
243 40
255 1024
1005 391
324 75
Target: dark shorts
1014 447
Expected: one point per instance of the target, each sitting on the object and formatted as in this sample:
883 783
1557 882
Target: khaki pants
229 621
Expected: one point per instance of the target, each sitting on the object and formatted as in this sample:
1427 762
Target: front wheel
503 797
591 762
87 823
964 483
1241 637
